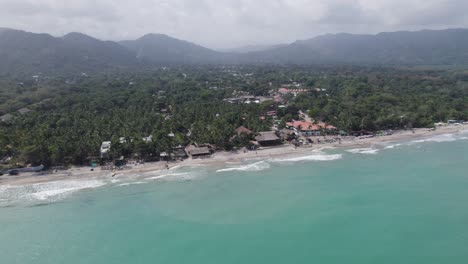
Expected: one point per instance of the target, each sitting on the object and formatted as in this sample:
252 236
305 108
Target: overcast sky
230 23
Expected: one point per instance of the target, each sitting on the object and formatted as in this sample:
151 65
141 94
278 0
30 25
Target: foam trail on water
393 146
171 175
314 157
44 192
363 151
131 183
438 138
258 166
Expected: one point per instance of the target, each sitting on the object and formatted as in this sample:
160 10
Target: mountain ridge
26 52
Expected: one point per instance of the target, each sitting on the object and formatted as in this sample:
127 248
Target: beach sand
220 158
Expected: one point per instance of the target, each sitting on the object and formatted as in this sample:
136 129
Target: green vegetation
71 116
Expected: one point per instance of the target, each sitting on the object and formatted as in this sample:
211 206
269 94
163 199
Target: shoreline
80 173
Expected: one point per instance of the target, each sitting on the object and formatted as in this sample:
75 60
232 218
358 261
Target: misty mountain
24 52
161 49
253 48
427 47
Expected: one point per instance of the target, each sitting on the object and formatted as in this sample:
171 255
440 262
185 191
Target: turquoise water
407 204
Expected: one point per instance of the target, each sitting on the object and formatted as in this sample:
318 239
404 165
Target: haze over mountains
24 52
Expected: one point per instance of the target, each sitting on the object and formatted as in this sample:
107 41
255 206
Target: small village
302 133
299 133
245 111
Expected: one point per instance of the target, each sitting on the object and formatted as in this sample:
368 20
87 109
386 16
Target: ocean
403 202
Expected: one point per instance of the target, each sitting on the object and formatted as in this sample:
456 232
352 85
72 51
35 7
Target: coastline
222 158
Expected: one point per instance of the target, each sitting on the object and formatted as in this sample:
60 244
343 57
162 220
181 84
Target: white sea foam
4 187
183 166
171 175
438 138
393 146
52 189
40 192
131 183
314 157
258 166
115 181
371 151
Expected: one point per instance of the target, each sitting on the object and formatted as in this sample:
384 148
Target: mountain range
25 52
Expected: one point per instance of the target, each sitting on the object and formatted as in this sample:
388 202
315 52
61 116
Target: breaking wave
171 176
258 166
41 193
438 138
314 157
131 183
363 151
393 146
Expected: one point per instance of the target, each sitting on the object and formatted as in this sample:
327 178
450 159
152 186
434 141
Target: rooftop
303 125
6 118
24 111
243 130
267 136
200 151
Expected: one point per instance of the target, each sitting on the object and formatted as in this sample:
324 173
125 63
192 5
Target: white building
105 149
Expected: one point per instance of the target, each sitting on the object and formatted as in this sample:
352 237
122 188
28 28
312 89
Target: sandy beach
221 158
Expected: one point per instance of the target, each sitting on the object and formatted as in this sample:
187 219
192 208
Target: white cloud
227 23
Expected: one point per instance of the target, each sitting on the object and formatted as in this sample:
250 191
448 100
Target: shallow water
405 203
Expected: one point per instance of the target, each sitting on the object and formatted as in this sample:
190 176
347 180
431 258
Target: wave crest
370 151
314 157
44 192
258 166
438 139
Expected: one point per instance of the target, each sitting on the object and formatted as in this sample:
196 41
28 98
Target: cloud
228 23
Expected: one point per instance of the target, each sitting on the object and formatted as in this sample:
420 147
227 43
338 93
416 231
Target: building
148 139
24 111
303 128
105 149
295 92
243 130
248 99
6 118
268 138
455 122
198 152
308 129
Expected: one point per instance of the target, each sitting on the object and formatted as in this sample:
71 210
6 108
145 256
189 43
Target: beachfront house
308 129
455 122
198 152
303 128
268 138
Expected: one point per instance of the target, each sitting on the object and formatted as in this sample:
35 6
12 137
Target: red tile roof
310 126
303 125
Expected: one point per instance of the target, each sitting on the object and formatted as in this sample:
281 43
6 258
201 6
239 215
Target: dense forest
67 118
